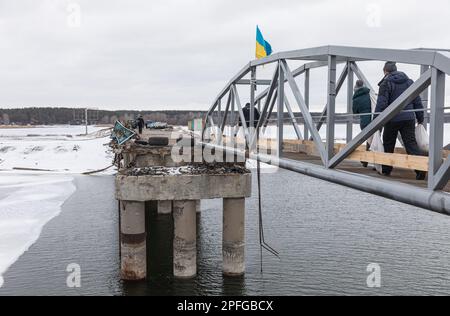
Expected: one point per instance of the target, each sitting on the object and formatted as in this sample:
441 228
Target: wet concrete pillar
198 206
133 241
233 243
164 207
184 241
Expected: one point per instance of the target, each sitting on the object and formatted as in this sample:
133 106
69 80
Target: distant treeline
56 116
52 116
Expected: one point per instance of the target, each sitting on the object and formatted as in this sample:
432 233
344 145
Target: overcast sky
166 54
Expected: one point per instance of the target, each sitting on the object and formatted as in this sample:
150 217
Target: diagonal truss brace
305 111
241 112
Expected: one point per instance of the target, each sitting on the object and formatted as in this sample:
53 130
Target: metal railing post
280 110
350 79
436 128
331 107
306 96
251 127
425 97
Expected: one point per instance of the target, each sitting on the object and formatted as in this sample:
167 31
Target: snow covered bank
60 149
30 202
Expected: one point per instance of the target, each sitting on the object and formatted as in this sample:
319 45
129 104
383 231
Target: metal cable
262 242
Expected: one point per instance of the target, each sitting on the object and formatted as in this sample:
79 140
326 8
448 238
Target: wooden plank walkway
399 174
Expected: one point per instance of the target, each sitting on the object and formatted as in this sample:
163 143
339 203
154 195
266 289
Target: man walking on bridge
362 105
391 87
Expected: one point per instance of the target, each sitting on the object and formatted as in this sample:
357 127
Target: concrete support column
233 244
133 241
184 241
164 207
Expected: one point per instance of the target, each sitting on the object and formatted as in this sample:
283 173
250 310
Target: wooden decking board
400 175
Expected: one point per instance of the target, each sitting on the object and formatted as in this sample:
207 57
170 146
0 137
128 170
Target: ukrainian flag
263 48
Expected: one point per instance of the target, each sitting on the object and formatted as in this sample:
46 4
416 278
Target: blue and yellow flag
263 48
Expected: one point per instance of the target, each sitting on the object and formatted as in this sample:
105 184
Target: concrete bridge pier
185 239
233 242
186 190
133 259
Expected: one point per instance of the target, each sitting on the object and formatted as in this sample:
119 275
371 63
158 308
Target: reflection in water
233 286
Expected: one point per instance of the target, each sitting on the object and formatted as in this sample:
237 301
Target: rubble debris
206 169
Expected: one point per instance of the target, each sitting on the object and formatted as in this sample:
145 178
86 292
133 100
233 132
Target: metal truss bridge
324 157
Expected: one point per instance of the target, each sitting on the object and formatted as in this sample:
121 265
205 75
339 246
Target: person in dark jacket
140 123
391 87
363 105
246 110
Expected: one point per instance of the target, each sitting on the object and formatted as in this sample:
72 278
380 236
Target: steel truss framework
435 65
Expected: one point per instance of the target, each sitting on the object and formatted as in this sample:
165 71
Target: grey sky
179 54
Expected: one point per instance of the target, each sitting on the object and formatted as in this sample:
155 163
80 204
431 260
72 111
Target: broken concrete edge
183 187
187 169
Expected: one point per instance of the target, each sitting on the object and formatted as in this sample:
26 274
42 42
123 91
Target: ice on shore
29 202
60 149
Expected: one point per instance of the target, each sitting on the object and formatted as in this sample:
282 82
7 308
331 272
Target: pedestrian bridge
281 101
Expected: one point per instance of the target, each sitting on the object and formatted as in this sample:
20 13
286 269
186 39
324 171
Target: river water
327 235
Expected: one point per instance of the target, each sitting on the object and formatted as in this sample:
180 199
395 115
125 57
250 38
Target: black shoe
421 176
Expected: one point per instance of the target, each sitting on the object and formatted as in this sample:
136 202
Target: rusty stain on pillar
233 244
184 241
133 241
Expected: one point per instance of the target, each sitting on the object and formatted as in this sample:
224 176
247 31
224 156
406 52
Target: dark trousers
407 130
140 130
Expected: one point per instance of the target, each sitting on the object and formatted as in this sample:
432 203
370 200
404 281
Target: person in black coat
392 86
246 110
140 123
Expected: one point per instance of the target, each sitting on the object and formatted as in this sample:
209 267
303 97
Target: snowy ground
60 149
28 200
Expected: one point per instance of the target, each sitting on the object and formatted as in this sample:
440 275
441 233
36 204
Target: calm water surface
326 234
